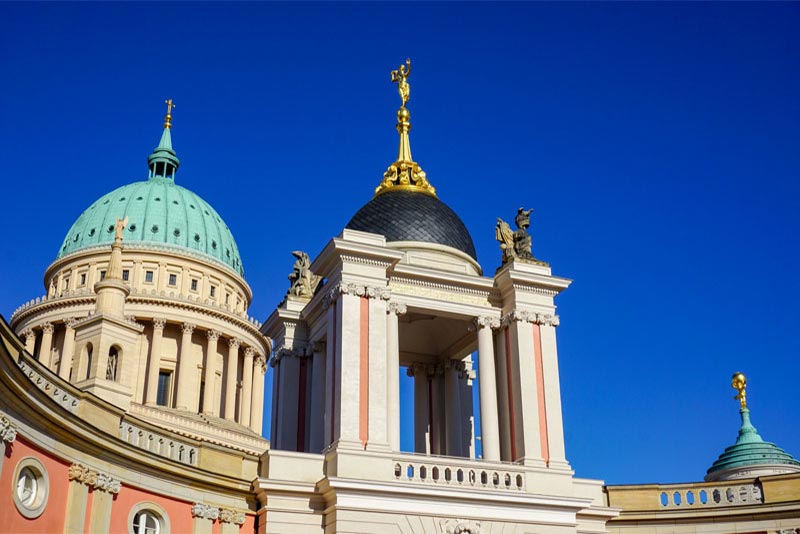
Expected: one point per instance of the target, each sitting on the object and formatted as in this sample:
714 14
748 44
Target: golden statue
739 383
401 77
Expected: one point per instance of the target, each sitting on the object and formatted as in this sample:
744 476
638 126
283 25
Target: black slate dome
411 216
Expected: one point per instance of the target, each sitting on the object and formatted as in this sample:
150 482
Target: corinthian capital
484 321
212 335
397 308
187 328
226 515
47 328
205 511
8 432
159 323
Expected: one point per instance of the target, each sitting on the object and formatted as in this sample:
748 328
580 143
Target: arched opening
87 357
113 363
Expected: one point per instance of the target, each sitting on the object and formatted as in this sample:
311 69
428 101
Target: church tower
401 289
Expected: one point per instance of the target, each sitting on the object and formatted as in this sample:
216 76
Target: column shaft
67 351
231 371
421 410
247 388
209 373
393 379
47 344
257 411
316 429
185 391
453 408
490 438
155 362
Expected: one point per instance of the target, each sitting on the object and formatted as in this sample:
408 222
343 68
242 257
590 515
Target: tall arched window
113 359
88 360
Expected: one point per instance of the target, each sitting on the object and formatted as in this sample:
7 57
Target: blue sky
657 143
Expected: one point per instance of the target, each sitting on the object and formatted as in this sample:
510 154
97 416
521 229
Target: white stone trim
161 515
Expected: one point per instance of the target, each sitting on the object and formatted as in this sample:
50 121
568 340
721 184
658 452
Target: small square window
83 279
212 291
194 285
148 276
126 274
227 298
173 279
102 275
66 284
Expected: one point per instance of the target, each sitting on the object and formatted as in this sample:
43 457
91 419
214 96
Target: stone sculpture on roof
303 281
516 244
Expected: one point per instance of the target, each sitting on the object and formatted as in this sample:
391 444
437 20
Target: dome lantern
164 162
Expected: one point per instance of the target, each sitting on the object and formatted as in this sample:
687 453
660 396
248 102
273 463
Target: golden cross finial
168 117
400 76
739 383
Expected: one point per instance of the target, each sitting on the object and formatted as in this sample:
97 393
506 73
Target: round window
31 487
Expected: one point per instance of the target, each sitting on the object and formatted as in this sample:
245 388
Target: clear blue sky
658 144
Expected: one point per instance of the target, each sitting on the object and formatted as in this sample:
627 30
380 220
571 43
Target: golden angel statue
739 383
400 76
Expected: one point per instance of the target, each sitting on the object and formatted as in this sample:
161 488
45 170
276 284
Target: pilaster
209 373
231 372
184 391
67 349
45 349
154 366
204 517
8 433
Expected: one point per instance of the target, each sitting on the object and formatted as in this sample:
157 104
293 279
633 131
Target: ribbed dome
160 213
411 216
751 450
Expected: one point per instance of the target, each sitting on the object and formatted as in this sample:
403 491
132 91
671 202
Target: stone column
257 403
394 310
526 430
452 406
231 371
47 344
30 340
102 501
81 479
247 387
490 438
185 390
331 369
155 361
502 395
316 427
552 390
204 517
232 520
77 498
8 433
347 429
67 349
421 408
209 373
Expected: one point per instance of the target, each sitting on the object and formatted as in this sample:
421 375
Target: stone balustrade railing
158 443
704 496
208 431
458 472
172 295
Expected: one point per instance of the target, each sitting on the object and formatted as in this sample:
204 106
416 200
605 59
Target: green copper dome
161 215
751 450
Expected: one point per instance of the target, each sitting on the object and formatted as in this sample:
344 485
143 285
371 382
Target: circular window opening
175 202
158 199
154 229
105 202
214 245
148 518
122 199
176 232
191 206
91 232
196 238
110 229
132 228
31 487
139 198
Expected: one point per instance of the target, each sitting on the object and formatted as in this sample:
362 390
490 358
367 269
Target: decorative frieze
93 479
227 515
159 444
8 432
204 511
65 399
544 319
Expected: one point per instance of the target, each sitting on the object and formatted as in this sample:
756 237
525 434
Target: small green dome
160 214
751 450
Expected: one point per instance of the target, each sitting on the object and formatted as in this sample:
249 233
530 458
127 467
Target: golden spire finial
404 173
168 117
739 383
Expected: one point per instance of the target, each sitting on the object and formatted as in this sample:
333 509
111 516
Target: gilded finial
404 174
400 77
739 383
168 117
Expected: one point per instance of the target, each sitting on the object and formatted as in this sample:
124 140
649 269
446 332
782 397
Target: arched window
88 360
148 518
113 359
